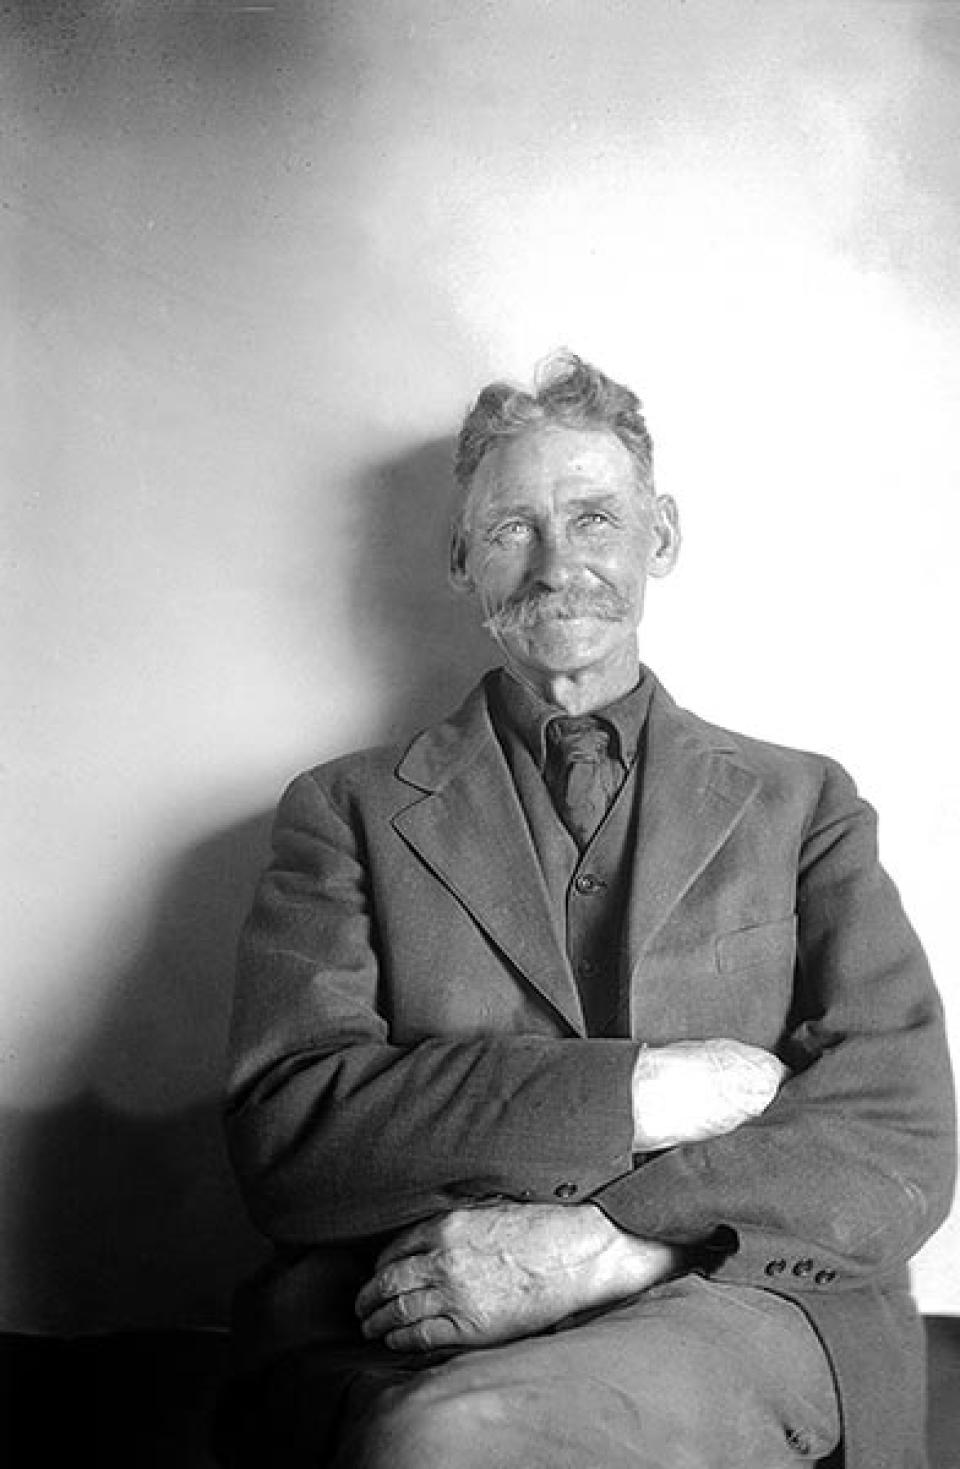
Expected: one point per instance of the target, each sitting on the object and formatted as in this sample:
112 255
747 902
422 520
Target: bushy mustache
519 614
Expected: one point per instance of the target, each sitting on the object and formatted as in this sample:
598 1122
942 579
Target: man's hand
499 1271
693 1090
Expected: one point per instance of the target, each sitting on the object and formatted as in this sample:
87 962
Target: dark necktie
579 773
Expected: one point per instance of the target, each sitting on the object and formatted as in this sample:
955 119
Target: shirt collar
528 716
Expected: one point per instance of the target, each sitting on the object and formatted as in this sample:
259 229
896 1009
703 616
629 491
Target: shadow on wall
126 1213
425 639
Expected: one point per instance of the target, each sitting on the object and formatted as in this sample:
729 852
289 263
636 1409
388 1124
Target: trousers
690 1375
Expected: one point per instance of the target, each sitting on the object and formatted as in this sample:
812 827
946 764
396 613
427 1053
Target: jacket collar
438 755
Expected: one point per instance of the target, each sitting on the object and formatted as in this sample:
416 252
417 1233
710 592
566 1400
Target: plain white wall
256 261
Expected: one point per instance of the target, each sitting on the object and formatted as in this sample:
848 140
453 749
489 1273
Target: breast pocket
756 968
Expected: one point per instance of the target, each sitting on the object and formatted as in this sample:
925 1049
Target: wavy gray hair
567 391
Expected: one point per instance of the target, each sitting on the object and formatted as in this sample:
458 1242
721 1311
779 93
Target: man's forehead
555 455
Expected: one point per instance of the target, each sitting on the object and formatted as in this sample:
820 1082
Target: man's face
559 541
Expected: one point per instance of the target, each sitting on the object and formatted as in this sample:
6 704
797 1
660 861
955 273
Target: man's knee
426 1425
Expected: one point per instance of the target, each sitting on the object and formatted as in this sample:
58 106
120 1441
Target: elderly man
586 1074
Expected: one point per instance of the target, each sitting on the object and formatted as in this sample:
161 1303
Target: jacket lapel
694 793
468 826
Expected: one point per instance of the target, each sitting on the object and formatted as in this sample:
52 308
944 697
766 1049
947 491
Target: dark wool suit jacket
408 1036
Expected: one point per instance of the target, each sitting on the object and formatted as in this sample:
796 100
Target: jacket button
803 1267
775 1267
586 883
824 1277
565 1190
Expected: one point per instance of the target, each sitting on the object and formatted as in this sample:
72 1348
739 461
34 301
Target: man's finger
416 1240
424 1336
410 1309
393 1280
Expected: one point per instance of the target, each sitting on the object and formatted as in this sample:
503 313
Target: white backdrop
256 260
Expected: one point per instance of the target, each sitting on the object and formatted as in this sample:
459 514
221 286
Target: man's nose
555 562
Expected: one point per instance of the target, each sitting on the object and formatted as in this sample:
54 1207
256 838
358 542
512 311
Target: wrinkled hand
499 1271
693 1090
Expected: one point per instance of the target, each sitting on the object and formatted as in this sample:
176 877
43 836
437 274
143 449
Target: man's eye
591 519
512 531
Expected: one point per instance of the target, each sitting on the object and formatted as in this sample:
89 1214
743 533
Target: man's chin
561 644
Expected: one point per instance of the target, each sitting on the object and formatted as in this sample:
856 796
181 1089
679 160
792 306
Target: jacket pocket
755 970
772 945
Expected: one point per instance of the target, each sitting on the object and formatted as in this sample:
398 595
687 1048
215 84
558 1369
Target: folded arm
475 1276
851 1167
339 1134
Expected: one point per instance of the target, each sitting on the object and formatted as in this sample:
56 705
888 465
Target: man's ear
665 537
460 578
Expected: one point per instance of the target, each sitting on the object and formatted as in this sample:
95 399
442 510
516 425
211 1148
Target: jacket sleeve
852 1167
334 1132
